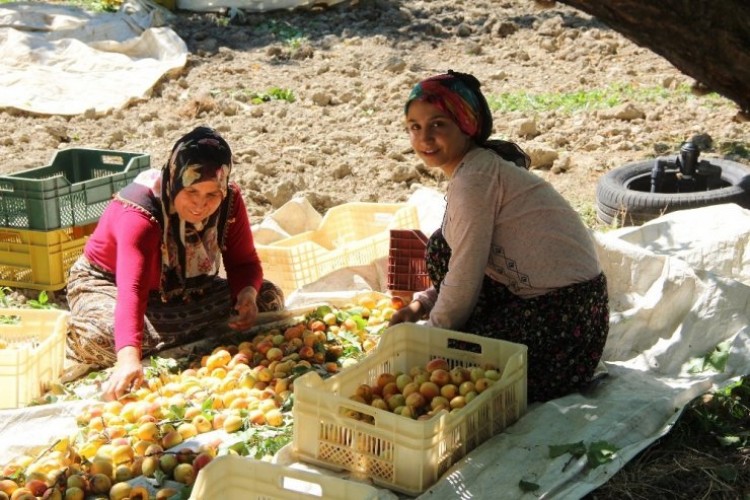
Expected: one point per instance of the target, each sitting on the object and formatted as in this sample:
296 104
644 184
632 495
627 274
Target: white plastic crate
32 355
352 234
232 477
394 451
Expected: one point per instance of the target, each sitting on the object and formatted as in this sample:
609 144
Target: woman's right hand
127 375
410 313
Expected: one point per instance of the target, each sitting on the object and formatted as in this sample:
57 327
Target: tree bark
708 40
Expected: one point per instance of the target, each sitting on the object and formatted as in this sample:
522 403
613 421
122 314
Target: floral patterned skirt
564 330
92 295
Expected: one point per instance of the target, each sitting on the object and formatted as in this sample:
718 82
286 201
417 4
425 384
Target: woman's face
435 137
198 201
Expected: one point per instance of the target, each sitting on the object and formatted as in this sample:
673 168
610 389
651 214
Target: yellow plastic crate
32 355
40 260
231 477
396 452
352 234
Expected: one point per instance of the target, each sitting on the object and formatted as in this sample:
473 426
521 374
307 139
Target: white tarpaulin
678 289
60 59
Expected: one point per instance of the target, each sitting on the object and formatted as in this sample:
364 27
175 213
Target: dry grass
705 456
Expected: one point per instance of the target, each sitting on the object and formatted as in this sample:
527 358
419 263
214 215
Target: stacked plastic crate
407 266
46 213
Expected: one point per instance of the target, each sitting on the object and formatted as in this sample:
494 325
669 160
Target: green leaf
575 449
715 360
727 473
527 485
729 440
600 453
208 405
160 477
175 412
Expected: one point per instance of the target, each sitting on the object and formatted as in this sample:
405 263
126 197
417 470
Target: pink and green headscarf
457 95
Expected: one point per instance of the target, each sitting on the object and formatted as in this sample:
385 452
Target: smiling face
198 201
435 137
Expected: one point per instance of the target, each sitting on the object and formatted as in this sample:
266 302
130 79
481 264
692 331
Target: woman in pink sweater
512 260
148 277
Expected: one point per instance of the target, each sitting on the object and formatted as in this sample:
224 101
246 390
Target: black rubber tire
619 205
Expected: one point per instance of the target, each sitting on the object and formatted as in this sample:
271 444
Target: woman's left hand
247 310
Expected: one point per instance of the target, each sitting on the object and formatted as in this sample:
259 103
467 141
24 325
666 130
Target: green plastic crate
72 191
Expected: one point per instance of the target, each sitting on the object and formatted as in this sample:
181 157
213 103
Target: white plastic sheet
59 59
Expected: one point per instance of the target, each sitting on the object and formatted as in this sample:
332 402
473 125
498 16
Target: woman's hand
408 314
247 310
127 375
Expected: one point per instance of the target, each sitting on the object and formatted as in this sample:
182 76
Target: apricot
385 379
201 460
120 491
171 439
8 486
437 363
139 493
37 487
364 391
390 389
162 494
187 430
449 391
100 483
458 402
440 377
465 388
201 423
233 423
429 390
167 463
482 384
395 401
317 325
274 417
415 400
149 466
184 474
74 493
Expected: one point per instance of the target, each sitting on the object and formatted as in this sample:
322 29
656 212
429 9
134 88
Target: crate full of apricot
422 400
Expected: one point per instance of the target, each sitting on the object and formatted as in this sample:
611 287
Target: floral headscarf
457 95
190 252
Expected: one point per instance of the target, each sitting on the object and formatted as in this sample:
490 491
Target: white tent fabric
678 289
59 59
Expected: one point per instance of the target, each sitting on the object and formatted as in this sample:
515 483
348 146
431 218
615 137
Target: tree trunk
708 40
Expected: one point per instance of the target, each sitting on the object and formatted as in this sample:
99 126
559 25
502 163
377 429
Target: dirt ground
350 68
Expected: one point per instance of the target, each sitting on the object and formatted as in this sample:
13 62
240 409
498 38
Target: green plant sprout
583 100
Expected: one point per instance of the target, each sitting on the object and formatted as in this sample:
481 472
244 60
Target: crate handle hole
464 345
300 486
112 160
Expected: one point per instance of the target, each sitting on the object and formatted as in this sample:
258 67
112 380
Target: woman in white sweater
512 259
